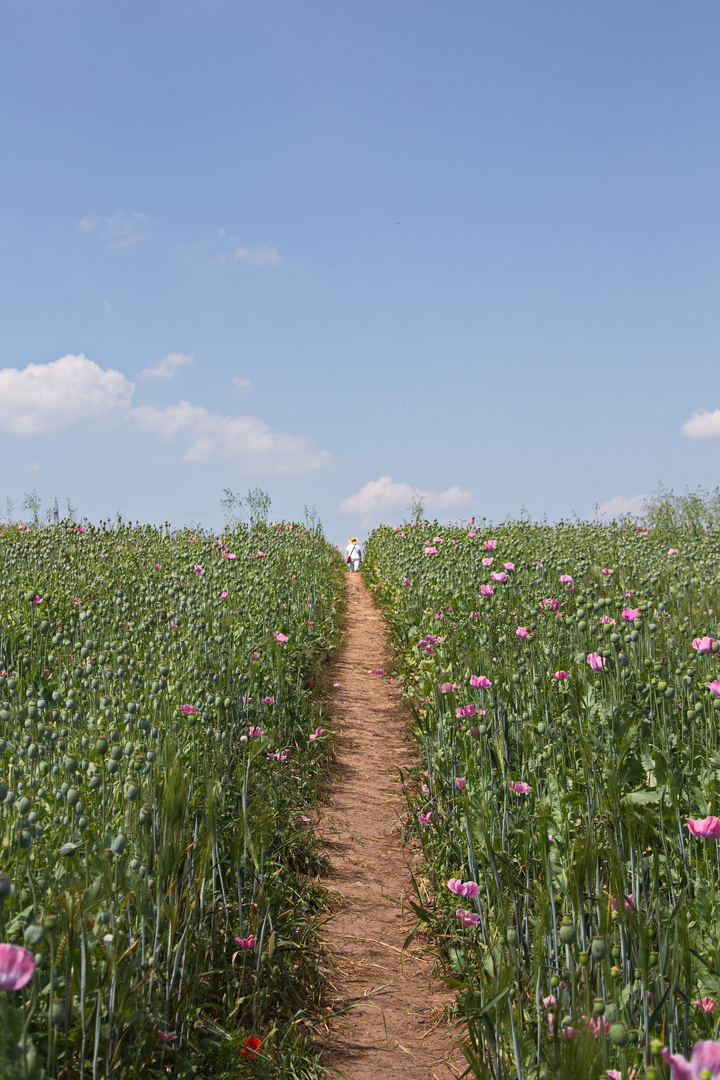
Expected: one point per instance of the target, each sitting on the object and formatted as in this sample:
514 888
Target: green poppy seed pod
118 844
651 1073
57 1013
656 1047
554 982
512 936
131 792
615 972
50 922
584 958
618 1034
568 931
72 796
598 1007
34 934
598 948
611 1012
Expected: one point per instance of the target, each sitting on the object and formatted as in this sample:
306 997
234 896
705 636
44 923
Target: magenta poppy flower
703 1065
472 535
255 732
16 967
491 544
672 551
488 560
317 733
706 828
596 661
498 578
630 614
703 644
520 788
459 782
430 551
246 942
560 675
166 1036
606 620
282 638
509 565
223 595
463 888
566 579
465 710
522 632
446 687
406 581
480 682
707 1004
549 605
467 918
187 709
425 819
487 590
715 687
268 700
606 570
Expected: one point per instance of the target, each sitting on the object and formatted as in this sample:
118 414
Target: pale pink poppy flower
509 565
229 555
465 710
540 564
281 755
498 578
261 554
166 1036
337 685
16 967
628 594
606 570
476 614
491 544
707 1004
318 732
430 551
488 560
472 535
630 614
703 1065
187 709
268 701
157 565
480 682
437 539
606 620
198 569
567 581
550 1001
255 732
560 675
549 605
463 888
487 590
254 655
672 551
446 687
565 1032
224 595
596 661
703 644
522 632
706 828
520 787
629 903
425 819
425 789
459 782
596 1026
282 638
615 1074
715 687
248 942
467 918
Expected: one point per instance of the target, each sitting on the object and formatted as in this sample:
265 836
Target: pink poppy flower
376 671
430 551
247 942
550 1001
606 570
539 564
630 614
509 565
406 581
472 535
522 632
596 1026
465 710
280 755
567 581
476 614
707 1004
487 590
16 967
488 560
446 687
703 1065
187 709
498 578
715 687
629 903
672 551
706 828
520 788
560 675
317 733
480 682
282 638
491 544
615 1074
166 1036
229 555
425 819
606 620
223 596
268 701
549 605
198 569
467 918
254 655
565 1032
596 661
255 732
703 644
463 888
157 565
460 782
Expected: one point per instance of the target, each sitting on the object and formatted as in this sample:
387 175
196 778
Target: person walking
353 553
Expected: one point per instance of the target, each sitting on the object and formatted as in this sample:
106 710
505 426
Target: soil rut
397 1022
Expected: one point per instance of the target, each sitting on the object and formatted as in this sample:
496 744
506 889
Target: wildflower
567 581
487 590
707 1004
704 1064
703 644
223 596
261 554
480 682
565 1032
376 671
406 581
500 578
465 710
615 1074
430 551
630 614
715 687
157 565
522 632
509 565
550 1001
629 902
539 564
606 620
188 709
706 828
491 544
467 918
254 732
280 755
251 1046
425 819
198 569
672 551
596 1026
16 967
248 942
549 605
606 570
596 661
166 1036
317 733
282 638
472 535
459 782
520 788
463 888
560 675
488 560
446 687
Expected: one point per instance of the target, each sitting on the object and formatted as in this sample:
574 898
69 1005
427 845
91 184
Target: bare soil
395 1019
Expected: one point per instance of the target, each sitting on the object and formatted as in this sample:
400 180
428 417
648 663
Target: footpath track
394 1021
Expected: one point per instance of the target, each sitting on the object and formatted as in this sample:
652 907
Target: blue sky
341 251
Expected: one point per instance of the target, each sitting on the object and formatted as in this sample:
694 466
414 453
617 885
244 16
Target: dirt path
398 1025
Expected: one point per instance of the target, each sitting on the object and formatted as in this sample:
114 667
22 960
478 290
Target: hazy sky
344 250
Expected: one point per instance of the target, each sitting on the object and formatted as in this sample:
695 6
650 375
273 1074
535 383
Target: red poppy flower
252 1044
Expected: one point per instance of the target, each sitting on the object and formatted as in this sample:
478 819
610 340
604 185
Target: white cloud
168 367
242 386
259 256
119 230
48 398
702 425
621 504
243 441
382 496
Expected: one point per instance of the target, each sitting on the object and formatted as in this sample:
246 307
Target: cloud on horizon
702 425
620 505
383 496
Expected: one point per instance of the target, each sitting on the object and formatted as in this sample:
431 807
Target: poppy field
565 685
160 737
